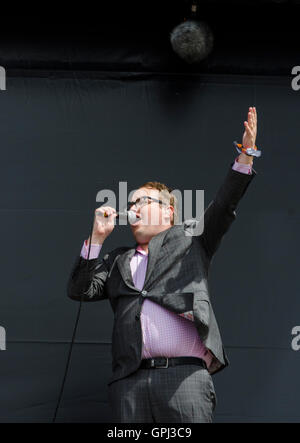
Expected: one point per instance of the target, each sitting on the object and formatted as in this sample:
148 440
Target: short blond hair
166 196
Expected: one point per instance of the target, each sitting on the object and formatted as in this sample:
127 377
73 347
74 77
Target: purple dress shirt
164 333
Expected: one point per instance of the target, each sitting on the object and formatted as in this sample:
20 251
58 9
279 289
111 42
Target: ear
170 211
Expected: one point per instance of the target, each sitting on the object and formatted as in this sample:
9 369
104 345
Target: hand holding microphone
131 215
104 222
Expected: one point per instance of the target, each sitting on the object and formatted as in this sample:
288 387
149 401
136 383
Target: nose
138 210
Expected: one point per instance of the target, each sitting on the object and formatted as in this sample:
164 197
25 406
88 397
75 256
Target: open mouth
137 216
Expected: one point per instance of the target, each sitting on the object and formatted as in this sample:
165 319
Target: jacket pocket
201 308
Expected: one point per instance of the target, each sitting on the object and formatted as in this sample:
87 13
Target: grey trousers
177 394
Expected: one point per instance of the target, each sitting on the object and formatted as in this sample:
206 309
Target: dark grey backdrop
63 138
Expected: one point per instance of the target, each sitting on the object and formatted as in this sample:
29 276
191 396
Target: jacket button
144 293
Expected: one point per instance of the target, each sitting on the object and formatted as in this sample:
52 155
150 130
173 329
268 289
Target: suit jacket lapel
154 248
123 263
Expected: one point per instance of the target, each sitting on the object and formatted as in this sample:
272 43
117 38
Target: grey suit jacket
176 278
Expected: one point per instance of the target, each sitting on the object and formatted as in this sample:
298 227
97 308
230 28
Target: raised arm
221 212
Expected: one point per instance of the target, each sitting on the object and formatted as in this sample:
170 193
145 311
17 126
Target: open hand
249 136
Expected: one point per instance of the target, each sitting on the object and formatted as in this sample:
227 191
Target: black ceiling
260 37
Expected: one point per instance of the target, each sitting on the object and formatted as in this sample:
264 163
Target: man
165 342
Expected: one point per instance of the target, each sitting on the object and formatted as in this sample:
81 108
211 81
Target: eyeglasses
142 201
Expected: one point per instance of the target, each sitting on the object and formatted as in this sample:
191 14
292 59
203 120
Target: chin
140 234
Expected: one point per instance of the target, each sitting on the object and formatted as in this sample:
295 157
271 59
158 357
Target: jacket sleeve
87 279
220 213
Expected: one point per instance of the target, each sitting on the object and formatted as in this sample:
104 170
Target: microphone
132 218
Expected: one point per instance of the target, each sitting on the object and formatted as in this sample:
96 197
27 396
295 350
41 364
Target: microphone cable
73 337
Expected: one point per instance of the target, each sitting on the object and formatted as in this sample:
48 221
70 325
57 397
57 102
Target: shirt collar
140 250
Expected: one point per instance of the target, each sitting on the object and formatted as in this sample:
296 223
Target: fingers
250 133
252 122
252 118
106 212
248 129
250 125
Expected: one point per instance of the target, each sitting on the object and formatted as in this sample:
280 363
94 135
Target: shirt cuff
94 251
242 167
